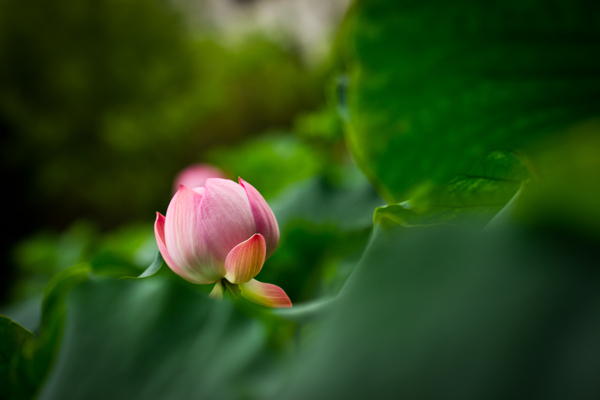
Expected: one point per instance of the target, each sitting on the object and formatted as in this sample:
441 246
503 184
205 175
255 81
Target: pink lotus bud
196 175
222 232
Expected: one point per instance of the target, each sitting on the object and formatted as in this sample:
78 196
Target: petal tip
265 294
246 259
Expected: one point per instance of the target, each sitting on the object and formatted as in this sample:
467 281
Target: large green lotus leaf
474 197
46 317
325 227
153 339
25 313
39 353
453 313
12 338
348 205
437 85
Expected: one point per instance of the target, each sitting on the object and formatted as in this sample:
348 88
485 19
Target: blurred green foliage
325 226
116 94
447 312
45 254
126 250
13 338
270 162
436 87
459 113
565 191
189 345
474 197
322 223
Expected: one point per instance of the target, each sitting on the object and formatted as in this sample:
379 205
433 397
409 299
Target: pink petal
265 221
196 176
159 232
265 294
226 216
246 259
185 240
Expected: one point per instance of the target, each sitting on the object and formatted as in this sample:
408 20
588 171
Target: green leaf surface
40 353
154 339
348 206
453 313
306 312
437 85
325 227
12 338
132 247
474 197
26 313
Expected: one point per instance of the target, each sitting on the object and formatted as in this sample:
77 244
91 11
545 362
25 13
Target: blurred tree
102 102
106 100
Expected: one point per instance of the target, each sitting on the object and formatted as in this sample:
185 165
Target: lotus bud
221 233
196 175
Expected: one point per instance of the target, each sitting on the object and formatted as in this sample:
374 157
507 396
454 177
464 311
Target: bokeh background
434 167
103 103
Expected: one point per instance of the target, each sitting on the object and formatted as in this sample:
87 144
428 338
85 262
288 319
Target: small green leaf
154 267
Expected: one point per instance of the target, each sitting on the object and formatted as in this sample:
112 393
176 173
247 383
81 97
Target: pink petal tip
265 294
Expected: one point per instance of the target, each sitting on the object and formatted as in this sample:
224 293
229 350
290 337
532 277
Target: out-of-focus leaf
154 267
39 257
348 206
324 229
397 214
39 354
37 254
154 339
122 252
324 124
12 338
474 197
507 214
269 163
132 244
437 85
26 313
566 191
447 312
125 88
306 312
125 251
